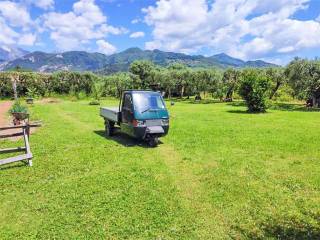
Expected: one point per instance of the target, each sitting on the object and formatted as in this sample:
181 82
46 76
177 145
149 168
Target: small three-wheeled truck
141 114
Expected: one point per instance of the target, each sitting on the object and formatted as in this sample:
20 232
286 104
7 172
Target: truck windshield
147 101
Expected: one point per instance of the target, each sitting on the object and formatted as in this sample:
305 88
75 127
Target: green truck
140 114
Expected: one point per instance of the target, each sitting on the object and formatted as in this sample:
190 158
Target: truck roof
140 91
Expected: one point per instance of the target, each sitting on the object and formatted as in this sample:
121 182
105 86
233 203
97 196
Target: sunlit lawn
220 173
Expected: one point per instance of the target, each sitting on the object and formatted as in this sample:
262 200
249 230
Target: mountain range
98 62
8 53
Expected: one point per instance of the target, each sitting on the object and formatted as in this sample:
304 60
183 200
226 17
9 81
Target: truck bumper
143 132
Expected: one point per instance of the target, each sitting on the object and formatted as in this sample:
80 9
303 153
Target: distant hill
84 61
8 53
50 62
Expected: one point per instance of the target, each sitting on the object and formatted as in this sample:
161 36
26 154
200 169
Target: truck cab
141 114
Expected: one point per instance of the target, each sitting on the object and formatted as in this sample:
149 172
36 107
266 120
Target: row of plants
300 80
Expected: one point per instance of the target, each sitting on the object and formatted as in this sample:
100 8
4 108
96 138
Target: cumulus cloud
242 28
105 47
137 35
15 14
15 24
72 30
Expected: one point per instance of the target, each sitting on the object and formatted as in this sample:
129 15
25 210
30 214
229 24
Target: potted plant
19 113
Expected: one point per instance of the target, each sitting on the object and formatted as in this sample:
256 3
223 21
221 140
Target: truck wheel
109 128
153 141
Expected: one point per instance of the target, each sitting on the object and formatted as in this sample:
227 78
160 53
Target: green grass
220 174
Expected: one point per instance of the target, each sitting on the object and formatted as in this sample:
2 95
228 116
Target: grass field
220 174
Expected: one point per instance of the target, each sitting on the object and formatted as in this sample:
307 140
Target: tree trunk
314 101
274 91
182 92
14 87
229 94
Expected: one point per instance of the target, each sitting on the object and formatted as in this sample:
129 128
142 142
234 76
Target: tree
304 78
201 78
254 88
231 79
215 83
180 74
167 81
277 78
143 70
115 84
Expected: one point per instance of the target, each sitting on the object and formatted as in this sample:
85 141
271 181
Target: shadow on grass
237 104
124 139
293 107
240 112
13 165
193 101
286 229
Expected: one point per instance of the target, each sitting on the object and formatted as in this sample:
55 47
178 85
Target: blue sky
272 30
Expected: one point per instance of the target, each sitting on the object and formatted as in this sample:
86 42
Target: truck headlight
165 122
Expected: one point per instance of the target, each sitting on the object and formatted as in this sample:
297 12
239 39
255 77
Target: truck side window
127 103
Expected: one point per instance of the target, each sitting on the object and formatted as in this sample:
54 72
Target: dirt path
4 108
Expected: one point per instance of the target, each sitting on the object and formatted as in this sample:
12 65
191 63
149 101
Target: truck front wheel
109 128
153 141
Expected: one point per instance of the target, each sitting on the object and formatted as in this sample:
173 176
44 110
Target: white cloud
43 4
27 39
137 35
15 24
15 14
74 29
105 47
242 28
7 35
135 21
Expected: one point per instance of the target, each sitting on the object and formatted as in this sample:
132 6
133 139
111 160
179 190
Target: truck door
127 109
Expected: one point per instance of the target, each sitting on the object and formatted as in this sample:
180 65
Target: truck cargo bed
110 113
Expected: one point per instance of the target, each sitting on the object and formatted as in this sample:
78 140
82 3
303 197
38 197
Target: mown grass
220 174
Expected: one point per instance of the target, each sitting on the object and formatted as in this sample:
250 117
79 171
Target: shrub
254 89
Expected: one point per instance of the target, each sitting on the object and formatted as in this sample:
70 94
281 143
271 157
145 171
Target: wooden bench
25 132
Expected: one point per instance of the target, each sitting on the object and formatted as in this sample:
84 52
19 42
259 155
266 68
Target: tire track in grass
205 221
208 223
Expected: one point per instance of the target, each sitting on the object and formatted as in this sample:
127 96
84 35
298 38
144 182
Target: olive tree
180 75
254 88
230 80
142 70
304 78
115 84
277 78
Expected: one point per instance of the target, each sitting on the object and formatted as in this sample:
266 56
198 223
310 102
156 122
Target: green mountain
84 61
